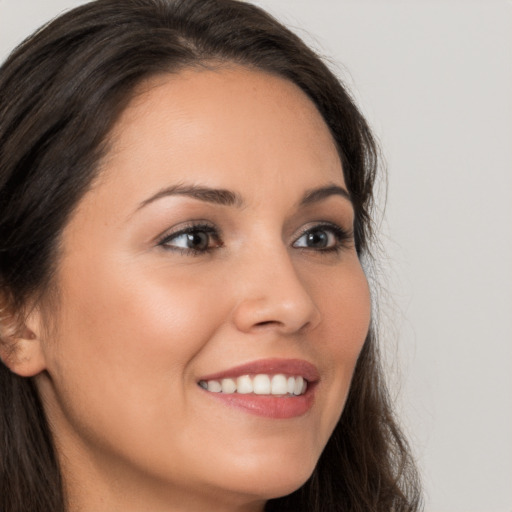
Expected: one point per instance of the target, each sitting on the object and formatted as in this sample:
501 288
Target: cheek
346 313
352 318
124 353
345 305
127 338
121 313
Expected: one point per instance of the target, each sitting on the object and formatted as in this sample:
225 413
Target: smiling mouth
260 384
276 388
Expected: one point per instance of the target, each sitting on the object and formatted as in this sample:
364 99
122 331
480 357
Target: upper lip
290 367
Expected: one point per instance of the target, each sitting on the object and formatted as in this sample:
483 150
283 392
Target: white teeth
228 385
298 386
214 386
279 385
261 384
244 384
290 385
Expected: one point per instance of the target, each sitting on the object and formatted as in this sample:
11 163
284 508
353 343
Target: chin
283 485
272 478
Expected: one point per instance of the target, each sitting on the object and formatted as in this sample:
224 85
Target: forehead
229 127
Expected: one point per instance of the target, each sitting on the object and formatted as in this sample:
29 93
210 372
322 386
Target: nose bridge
272 293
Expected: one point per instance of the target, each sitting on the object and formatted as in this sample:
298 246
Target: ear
20 342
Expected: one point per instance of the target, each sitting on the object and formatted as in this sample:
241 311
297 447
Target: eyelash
190 230
342 238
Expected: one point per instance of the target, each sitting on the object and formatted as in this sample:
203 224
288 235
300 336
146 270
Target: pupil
318 239
197 240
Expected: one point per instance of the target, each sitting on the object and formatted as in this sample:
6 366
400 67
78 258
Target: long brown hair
61 92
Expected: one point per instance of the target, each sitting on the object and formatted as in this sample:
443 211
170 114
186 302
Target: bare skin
148 308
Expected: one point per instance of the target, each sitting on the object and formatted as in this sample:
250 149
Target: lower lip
268 406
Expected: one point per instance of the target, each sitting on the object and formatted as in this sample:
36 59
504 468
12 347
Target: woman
186 193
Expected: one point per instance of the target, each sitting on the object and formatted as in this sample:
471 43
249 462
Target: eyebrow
210 195
319 194
226 197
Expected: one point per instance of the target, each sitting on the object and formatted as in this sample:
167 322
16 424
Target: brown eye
195 239
322 238
199 240
318 239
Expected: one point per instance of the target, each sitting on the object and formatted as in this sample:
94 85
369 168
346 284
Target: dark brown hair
61 92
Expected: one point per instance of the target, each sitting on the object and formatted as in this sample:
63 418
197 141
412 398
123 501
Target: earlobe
20 345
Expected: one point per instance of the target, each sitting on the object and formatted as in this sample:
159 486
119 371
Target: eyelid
186 228
342 235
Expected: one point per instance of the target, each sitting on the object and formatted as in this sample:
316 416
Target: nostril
282 326
268 322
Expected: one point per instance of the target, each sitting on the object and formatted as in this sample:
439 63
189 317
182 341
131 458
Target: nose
273 295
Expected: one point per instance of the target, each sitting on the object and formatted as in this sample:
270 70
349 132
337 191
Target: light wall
435 80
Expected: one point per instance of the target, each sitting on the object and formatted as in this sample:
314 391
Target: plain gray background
435 81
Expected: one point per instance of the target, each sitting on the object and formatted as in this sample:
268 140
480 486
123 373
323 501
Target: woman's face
215 251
